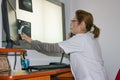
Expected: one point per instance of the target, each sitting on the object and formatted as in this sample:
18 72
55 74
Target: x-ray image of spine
24 27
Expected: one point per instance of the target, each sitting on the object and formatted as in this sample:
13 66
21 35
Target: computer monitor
10 29
36 29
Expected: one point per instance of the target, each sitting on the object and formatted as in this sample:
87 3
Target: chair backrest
118 75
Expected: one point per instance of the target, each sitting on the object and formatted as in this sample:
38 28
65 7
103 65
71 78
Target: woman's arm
43 47
46 47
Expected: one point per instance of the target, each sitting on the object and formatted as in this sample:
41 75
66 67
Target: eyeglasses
74 20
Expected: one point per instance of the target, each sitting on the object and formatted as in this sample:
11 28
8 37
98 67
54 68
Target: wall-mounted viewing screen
46 22
50 28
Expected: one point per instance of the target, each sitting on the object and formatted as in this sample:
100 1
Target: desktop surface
55 74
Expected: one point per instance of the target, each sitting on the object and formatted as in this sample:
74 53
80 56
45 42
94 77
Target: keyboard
48 67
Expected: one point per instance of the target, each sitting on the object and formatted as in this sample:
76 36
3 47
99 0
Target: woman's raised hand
26 38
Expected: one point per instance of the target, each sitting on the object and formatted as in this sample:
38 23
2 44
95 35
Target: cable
62 58
15 61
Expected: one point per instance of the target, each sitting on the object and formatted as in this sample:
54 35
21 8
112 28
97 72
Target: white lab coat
85 57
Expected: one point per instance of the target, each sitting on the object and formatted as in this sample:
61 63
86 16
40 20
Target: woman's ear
83 26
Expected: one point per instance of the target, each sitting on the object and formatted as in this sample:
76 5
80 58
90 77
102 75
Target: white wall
107 18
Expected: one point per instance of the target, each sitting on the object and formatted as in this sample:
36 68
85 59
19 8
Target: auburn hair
87 17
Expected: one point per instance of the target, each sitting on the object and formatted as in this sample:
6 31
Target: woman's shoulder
88 34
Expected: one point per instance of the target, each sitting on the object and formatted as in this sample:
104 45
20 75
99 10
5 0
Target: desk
6 50
56 74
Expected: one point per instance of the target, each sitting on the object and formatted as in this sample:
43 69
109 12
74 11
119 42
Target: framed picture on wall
25 5
4 63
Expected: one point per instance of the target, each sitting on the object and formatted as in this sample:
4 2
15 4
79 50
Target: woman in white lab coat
85 54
